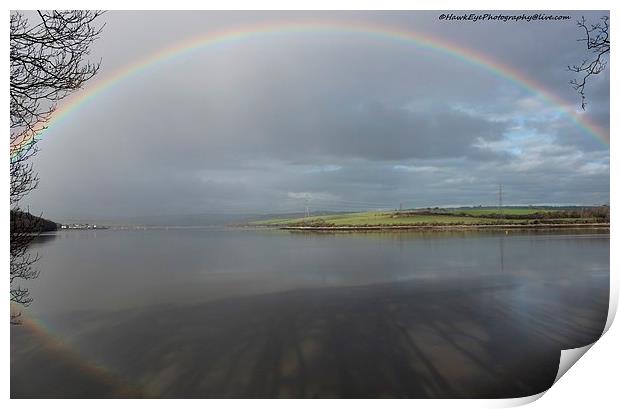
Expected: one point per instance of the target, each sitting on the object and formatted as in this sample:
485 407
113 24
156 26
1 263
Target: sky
337 121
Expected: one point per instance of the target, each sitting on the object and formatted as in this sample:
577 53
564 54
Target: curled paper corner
514 402
613 303
568 357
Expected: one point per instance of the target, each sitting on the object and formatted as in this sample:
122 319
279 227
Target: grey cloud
355 121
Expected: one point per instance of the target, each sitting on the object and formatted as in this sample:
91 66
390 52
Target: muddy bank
487 227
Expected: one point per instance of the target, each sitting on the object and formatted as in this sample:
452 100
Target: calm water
225 313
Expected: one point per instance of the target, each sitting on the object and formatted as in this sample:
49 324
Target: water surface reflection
201 313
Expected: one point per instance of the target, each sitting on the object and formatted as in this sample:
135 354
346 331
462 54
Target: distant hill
203 219
27 222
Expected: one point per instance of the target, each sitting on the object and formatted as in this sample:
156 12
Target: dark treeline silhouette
28 223
25 228
599 213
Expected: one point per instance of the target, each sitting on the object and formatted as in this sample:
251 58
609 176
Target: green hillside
439 217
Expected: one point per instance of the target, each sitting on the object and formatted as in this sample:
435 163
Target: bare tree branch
48 61
597 43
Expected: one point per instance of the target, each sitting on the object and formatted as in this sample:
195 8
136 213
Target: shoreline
459 227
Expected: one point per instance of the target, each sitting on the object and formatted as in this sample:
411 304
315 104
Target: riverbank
527 218
488 227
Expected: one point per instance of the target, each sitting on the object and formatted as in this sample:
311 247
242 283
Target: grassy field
435 217
370 219
504 210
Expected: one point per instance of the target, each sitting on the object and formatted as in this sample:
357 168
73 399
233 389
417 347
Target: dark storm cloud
371 131
375 132
345 121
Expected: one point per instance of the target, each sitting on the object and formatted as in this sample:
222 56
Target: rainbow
49 343
383 33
